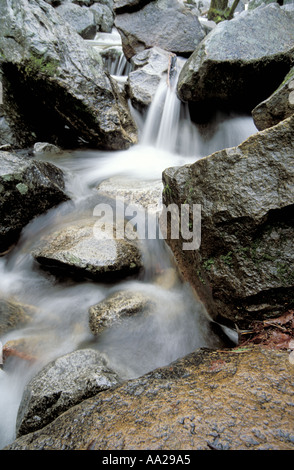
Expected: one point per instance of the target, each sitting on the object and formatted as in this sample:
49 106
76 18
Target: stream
179 324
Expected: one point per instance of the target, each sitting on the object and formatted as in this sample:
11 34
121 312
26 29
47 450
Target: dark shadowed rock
276 108
63 383
163 23
243 269
55 86
232 65
28 188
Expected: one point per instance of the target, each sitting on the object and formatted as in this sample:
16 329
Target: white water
178 324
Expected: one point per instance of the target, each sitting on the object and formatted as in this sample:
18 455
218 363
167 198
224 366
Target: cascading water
178 323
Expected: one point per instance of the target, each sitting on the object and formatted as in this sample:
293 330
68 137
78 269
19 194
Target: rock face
232 400
114 308
276 108
150 66
80 19
51 75
28 188
60 385
163 23
243 268
231 66
78 250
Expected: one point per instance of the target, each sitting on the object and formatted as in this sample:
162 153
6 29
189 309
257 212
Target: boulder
231 66
61 384
80 19
150 67
167 24
243 268
55 86
209 400
112 310
276 108
28 188
103 17
81 250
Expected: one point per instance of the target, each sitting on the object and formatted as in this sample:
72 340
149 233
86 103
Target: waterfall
179 325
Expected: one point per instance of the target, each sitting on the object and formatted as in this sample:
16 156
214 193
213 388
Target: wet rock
13 314
81 250
80 19
150 67
163 23
276 108
144 194
112 310
55 88
230 67
28 188
63 383
243 267
230 400
45 147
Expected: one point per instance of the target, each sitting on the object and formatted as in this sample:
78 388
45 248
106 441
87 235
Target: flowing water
178 324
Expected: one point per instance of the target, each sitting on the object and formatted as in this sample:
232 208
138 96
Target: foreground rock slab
231 66
243 269
28 188
224 400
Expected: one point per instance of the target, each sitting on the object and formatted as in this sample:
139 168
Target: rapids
179 323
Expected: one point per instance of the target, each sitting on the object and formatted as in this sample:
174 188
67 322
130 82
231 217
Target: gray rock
45 147
28 188
243 268
115 308
55 86
144 194
61 384
80 249
276 108
231 66
103 17
150 65
80 19
163 23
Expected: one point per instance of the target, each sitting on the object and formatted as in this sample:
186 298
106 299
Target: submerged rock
28 188
276 108
167 24
80 250
13 314
243 269
63 383
223 400
232 65
55 87
115 308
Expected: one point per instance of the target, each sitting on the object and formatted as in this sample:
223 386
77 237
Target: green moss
227 259
38 65
22 188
